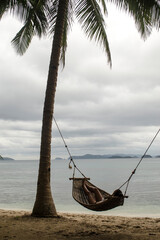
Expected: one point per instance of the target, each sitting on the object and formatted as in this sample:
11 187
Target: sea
18 182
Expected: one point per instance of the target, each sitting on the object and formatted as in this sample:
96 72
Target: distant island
110 156
59 158
6 158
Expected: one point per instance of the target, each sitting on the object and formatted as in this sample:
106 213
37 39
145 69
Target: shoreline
18 225
103 214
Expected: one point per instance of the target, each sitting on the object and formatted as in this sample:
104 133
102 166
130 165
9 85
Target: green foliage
90 16
145 13
39 18
33 14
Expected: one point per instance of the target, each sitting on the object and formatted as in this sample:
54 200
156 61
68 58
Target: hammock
109 202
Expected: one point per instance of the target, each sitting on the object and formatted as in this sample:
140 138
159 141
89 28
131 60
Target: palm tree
41 17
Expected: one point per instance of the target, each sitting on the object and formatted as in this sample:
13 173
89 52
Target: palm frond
12 5
23 38
145 13
103 3
89 14
155 12
67 26
35 23
39 17
52 15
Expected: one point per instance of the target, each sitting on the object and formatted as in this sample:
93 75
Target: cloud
99 110
19 139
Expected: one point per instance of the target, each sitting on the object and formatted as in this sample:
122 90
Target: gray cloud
99 110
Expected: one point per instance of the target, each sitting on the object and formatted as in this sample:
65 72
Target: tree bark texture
44 205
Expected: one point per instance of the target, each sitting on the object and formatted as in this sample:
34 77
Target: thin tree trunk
44 204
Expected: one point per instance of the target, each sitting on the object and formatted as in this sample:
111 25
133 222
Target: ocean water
18 180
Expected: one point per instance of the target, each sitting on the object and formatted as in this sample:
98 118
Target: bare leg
89 190
98 195
96 191
91 199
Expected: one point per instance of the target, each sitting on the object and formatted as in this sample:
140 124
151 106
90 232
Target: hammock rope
134 171
76 168
69 153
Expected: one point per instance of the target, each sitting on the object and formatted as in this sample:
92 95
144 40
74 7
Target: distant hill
59 158
6 158
147 156
92 156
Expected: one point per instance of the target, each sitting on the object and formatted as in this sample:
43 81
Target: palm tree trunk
44 204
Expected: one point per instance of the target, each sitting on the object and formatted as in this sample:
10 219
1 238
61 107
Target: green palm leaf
89 14
145 13
67 26
103 3
52 16
23 38
14 6
33 14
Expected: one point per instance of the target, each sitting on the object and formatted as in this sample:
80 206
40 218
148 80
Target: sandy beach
19 225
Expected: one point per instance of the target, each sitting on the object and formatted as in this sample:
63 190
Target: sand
19 225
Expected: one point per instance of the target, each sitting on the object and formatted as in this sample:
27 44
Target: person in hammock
94 195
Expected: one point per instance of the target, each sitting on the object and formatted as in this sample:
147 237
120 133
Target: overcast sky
99 110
